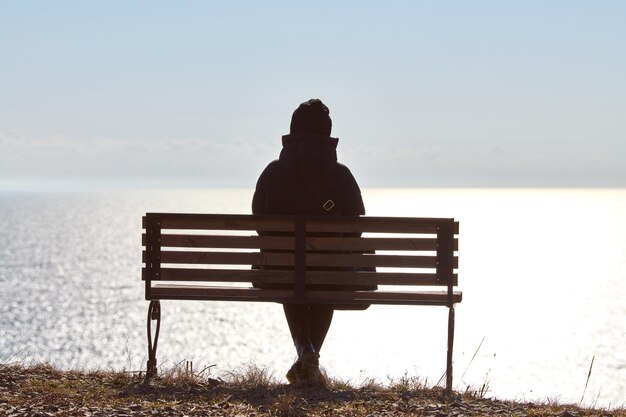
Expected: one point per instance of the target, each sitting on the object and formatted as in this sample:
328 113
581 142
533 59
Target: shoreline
42 390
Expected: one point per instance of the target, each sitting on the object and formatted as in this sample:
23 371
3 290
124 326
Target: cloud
64 157
238 162
386 152
17 142
496 150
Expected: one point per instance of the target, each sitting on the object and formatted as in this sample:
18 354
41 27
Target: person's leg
298 319
320 318
305 322
308 324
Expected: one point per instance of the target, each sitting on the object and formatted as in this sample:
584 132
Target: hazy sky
438 93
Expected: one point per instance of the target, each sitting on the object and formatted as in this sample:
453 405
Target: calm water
543 274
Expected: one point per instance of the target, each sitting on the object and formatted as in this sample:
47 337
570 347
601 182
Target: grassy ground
44 391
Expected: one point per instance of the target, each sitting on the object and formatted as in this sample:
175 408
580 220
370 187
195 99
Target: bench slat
286 277
427 297
217 258
195 292
221 241
222 275
373 243
287 243
192 292
374 278
369 260
287 259
287 223
377 224
226 223
358 226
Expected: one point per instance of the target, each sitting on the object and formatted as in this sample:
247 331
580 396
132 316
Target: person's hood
308 156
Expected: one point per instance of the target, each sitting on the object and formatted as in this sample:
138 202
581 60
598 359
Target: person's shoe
294 373
311 374
310 364
306 370
316 378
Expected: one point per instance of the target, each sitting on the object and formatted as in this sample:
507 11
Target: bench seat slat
312 277
427 297
194 292
197 292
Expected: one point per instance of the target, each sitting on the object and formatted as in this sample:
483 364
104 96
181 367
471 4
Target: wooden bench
209 257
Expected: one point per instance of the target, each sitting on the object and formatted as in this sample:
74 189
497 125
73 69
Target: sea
543 275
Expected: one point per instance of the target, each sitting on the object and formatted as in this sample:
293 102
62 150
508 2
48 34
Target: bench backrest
203 249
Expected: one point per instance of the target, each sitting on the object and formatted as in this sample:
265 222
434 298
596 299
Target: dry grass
250 376
182 390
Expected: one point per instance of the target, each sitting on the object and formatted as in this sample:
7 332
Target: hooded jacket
307 179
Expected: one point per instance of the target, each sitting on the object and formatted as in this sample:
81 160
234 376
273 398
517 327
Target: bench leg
154 313
450 344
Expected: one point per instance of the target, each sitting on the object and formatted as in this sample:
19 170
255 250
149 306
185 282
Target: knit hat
311 117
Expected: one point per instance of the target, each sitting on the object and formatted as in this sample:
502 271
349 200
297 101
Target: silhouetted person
307 179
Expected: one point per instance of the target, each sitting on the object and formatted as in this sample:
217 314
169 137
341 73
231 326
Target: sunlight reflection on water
542 273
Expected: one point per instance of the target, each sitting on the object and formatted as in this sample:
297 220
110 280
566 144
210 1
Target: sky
421 93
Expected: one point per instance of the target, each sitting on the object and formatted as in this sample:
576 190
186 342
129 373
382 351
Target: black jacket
305 177
308 180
